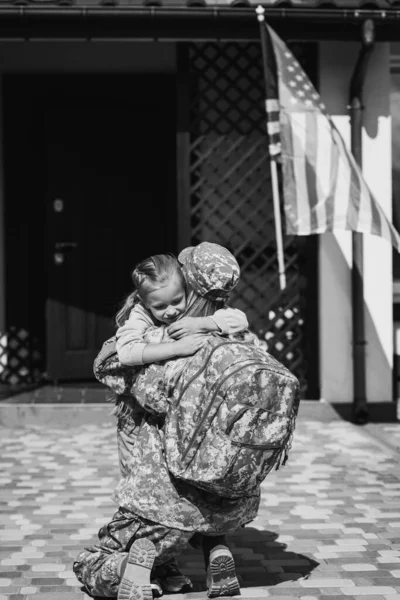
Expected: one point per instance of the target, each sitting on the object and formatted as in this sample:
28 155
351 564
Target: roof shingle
174 4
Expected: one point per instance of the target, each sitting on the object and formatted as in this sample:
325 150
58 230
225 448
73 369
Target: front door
110 203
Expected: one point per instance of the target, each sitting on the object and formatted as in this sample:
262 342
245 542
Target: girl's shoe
135 583
171 579
221 574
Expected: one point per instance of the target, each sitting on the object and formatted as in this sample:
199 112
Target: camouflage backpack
231 415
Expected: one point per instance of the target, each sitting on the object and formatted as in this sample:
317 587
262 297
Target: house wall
336 65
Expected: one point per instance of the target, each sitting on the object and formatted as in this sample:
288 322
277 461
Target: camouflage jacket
150 490
172 389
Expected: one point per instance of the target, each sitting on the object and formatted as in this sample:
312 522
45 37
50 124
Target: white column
2 206
378 279
337 61
2 240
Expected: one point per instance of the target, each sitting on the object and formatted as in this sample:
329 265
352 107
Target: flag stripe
334 174
365 212
378 224
310 155
272 105
324 167
273 127
290 207
383 230
298 127
338 214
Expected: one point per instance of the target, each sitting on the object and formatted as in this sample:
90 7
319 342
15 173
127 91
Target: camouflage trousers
98 566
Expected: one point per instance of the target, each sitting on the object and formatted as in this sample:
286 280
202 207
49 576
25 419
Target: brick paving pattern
328 527
387 433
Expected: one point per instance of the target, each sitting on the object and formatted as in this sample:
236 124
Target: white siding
336 65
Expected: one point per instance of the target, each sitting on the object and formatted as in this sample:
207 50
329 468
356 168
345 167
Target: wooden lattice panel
230 192
20 357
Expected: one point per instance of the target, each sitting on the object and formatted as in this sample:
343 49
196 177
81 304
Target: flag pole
274 170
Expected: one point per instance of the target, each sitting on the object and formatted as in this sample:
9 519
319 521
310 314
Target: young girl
160 298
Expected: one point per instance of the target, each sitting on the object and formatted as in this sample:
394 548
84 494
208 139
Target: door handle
66 246
58 258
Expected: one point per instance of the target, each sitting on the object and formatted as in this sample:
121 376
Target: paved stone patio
329 524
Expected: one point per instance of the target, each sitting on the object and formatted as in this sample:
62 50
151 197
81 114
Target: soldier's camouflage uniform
153 504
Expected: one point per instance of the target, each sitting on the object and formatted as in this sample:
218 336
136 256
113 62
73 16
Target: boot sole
135 584
223 576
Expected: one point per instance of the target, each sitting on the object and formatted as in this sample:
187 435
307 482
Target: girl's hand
189 344
185 326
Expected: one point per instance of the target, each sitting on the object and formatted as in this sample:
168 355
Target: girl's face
167 302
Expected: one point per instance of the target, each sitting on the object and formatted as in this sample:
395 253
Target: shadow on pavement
260 561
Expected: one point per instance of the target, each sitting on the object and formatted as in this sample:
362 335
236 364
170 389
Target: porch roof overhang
113 20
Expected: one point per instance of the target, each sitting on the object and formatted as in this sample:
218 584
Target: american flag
324 189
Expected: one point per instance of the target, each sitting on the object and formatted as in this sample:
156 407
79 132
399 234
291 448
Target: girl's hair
151 272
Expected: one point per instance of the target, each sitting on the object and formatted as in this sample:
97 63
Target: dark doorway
90 185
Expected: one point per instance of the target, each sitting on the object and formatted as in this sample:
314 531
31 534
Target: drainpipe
360 412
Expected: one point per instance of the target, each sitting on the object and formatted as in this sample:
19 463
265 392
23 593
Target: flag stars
299 90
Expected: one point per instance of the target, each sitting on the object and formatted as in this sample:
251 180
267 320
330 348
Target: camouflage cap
210 269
